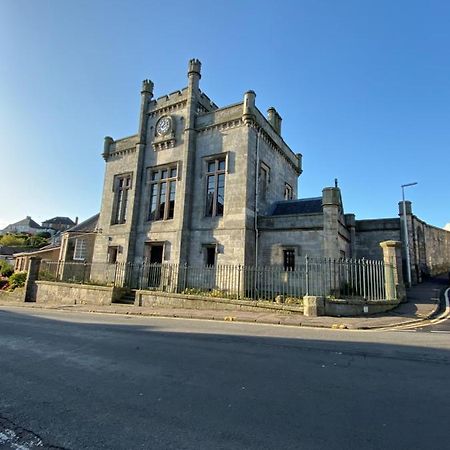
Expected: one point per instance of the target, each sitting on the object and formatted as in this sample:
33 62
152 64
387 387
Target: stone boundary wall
319 306
347 308
430 249
18 295
162 299
75 294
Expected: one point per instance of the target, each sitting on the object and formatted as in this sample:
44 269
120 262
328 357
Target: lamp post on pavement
405 229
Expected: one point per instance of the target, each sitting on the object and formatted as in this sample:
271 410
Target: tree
44 234
36 241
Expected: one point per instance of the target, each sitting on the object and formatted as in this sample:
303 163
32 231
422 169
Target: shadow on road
140 385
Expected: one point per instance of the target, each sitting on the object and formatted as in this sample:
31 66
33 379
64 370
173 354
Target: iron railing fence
342 278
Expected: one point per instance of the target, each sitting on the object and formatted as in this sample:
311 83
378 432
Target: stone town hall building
204 185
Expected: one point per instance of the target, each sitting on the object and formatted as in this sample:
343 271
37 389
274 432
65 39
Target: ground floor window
289 259
80 251
210 255
113 251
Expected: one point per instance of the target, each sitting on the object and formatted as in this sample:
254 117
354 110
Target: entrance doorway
156 253
154 257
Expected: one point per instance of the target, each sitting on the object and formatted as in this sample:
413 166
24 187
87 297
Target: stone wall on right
430 249
429 245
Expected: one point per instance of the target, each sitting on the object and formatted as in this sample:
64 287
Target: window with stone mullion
123 184
215 187
162 194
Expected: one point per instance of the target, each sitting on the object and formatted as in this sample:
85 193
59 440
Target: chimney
274 119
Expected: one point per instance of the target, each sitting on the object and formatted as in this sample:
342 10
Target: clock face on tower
163 126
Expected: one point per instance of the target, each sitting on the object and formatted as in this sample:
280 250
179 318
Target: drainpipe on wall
257 198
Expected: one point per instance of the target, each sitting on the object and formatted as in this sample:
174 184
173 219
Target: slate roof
6 250
38 250
300 206
88 226
28 221
60 220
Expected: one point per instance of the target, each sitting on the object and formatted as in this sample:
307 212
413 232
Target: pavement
423 304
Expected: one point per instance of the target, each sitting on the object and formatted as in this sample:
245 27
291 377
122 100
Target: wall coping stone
254 303
77 285
356 301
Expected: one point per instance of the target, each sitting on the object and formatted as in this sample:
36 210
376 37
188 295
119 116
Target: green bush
46 275
17 280
44 234
6 269
13 240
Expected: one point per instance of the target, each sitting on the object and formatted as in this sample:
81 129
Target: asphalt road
85 381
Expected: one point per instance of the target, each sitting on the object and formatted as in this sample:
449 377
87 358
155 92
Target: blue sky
363 88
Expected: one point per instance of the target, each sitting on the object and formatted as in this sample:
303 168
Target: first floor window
289 260
122 185
263 180
215 187
288 192
162 193
80 251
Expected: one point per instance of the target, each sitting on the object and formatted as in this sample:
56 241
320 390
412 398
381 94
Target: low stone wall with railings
75 294
188 301
366 286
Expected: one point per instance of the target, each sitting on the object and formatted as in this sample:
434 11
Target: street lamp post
405 229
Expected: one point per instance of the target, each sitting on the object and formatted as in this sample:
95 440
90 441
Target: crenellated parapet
147 87
114 149
195 67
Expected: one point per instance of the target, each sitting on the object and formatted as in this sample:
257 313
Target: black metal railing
340 278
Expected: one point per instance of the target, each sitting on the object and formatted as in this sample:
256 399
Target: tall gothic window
215 187
263 180
162 193
122 185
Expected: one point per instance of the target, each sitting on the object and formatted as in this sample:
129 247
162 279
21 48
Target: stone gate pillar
32 275
392 257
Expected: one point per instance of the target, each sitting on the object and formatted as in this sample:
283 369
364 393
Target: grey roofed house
27 225
87 226
77 243
49 252
59 223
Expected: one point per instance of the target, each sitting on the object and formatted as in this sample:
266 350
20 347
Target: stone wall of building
227 138
302 233
369 233
121 158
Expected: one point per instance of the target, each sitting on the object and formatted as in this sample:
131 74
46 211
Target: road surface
96 381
